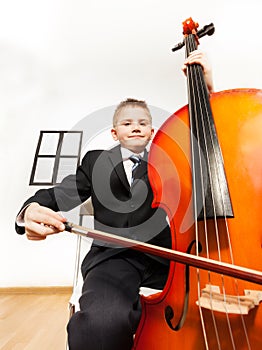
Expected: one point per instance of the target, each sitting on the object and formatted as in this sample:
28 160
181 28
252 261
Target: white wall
61 60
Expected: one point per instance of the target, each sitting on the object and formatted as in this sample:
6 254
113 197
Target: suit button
132 205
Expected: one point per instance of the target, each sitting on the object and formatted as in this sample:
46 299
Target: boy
109 306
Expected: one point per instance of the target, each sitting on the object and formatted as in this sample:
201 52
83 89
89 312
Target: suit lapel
117 162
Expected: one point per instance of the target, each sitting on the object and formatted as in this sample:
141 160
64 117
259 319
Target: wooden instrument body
238 120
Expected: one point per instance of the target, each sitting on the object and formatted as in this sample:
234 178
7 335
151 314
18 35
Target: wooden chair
83 246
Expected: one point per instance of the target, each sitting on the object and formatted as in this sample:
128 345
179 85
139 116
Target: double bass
205 170
205 167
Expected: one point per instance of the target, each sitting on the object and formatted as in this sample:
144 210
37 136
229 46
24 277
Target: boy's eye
143 123
128 123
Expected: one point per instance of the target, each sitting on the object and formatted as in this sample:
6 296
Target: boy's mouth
135 136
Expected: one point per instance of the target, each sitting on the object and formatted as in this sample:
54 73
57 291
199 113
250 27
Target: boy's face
133 128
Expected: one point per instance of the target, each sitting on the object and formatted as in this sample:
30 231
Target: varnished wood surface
34 319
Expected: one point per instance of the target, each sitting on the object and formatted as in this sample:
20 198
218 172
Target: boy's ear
114 134
152 133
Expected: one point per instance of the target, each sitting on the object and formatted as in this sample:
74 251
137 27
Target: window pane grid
54 155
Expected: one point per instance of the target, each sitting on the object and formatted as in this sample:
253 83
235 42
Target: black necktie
137 161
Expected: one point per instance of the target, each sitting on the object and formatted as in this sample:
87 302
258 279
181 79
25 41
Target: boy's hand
41 222
200 57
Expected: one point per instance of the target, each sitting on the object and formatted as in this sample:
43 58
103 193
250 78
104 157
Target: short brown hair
131 102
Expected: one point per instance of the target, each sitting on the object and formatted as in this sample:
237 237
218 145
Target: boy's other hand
41 222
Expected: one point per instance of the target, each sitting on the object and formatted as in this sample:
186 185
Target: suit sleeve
71 192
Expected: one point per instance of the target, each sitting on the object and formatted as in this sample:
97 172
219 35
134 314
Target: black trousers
110 305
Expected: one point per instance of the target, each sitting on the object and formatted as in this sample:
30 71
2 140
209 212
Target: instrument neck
212 199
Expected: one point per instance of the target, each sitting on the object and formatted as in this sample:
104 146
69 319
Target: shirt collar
126 153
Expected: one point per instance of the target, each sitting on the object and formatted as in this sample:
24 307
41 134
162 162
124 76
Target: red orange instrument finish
210 184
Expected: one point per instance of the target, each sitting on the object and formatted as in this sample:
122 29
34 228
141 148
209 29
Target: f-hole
169 312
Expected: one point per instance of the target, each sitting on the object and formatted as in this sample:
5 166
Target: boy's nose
135 125
136 129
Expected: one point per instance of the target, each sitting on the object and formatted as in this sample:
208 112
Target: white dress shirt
128 164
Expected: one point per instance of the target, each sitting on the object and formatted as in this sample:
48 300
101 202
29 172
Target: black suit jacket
118 208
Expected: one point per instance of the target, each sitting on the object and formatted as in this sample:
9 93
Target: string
190 88
229 245
195 70
227 231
